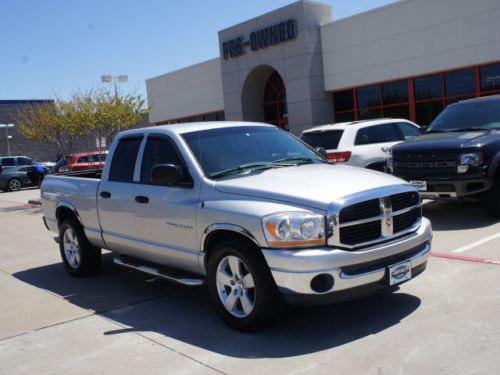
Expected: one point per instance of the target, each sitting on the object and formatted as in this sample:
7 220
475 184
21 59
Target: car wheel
492 198
15 184
241 286
80 258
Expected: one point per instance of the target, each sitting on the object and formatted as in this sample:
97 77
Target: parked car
459 155
360 143
15 178
48 165
15 161
248 209
85 161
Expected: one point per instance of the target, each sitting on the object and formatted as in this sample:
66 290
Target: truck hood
313 185
447 141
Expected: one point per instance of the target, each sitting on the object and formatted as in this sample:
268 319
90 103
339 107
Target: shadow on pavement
456 215
157 307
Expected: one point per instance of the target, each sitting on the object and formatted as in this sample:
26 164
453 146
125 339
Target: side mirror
167 174
321 151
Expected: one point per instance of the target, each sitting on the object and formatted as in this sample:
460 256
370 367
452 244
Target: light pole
108 78
7 136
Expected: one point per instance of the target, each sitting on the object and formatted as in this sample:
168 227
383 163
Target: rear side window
7 162
159 150
24 161
82 159
328 139
377 134
408 130
123 163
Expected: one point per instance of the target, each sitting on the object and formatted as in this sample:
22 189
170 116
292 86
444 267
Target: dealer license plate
399 272
419 185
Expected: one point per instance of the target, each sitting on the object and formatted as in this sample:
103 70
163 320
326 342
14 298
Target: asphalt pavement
446 321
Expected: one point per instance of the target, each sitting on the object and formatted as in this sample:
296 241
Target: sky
54 48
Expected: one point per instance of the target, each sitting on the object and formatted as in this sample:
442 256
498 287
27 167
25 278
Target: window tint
159 150
7 162
367 114
369 96
327 139
408 130
123 163
429 87
460 83
377 134
24 161
395 92
344 117
82 159
490 77
398 111
469 115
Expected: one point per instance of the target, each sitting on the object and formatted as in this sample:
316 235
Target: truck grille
378 219
422 166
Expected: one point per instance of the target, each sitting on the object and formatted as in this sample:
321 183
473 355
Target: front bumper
354 273
455 188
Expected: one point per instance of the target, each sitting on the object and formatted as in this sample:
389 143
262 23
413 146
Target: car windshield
329 140
468 117
232 150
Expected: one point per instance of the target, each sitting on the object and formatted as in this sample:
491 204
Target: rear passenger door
373 142
115 197
165 215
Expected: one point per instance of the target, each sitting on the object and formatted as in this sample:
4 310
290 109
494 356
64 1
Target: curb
36 202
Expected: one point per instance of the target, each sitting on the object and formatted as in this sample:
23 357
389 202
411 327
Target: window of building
460 83
429 87
211 116
275 106
123 163
490 78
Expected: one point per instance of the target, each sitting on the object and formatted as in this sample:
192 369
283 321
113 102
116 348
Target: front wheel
241 286
15 184
80 258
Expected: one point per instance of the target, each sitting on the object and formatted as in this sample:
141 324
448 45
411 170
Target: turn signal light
339 157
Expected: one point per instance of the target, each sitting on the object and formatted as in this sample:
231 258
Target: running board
150 270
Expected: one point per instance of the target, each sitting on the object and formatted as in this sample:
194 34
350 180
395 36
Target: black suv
458 155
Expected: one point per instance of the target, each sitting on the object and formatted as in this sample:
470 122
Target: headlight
294 229
389 163
472 159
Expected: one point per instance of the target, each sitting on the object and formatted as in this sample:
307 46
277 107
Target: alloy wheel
71 248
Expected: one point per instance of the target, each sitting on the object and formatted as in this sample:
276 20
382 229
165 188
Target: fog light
462 168
322 283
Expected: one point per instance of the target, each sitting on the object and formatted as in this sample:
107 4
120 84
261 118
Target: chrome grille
370 221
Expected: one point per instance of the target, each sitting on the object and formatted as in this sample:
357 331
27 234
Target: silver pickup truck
248 209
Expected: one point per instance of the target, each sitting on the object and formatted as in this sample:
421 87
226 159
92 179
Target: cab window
124 157
159 150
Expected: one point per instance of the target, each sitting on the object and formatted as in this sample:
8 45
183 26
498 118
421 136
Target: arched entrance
275 107
263 97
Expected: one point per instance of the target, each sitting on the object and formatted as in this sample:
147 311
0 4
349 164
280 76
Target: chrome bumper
293 270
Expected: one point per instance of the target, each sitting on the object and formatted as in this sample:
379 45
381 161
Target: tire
492 198
14 184
253 301
80 258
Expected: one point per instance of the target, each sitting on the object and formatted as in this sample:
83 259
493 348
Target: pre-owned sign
260 39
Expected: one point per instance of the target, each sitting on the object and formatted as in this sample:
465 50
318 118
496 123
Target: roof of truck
194 126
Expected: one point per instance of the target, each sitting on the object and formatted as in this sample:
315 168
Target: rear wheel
80 258
15 184
492 198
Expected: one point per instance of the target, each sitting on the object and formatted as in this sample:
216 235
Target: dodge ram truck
246 208
458 156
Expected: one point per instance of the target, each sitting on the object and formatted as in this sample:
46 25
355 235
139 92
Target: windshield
242 148
468 116
329 140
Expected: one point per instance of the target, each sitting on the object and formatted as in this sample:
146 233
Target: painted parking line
17 203
465 258
477 243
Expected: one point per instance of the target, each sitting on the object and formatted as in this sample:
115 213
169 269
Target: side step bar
150 270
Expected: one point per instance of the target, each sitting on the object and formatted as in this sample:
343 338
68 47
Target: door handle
105 194
141 199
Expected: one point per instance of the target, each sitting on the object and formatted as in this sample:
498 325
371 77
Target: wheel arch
66 211
217 233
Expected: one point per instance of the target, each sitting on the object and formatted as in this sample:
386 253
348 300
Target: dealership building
296 67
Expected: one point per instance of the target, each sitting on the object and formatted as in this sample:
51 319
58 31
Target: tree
96 112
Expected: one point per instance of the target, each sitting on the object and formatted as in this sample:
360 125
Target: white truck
246 208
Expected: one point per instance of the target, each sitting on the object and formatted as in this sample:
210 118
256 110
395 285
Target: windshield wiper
435 131
299 160
243 168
